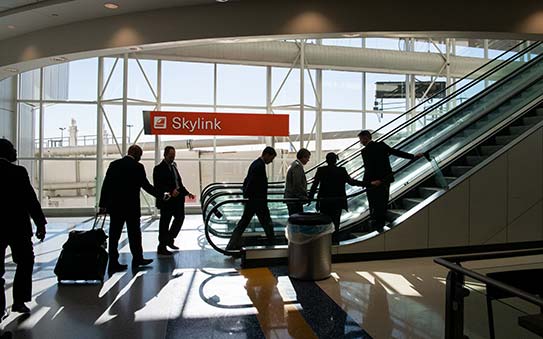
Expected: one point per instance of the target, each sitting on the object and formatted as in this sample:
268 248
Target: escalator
477 119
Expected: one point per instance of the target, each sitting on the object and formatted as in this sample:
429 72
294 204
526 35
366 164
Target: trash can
309 246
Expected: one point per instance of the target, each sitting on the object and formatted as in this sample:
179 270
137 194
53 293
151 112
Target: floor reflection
391 299
277 320
198 293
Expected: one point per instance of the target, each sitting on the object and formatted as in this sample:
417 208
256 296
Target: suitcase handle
97 220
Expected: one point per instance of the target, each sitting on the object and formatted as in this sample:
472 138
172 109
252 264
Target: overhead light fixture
229 41
351 35
11 26
222 1
111 5
135 49
12 70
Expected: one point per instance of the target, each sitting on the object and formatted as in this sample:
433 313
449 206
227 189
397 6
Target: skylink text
199 123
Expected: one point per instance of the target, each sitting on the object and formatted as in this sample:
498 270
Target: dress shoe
20 308
141 262
116 268
163 251
172 246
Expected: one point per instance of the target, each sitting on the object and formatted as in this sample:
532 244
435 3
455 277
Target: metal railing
456 291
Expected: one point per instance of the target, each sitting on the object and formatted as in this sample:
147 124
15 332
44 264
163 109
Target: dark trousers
378 201
334 212
23 256
167 234
250 209
294 208
117 220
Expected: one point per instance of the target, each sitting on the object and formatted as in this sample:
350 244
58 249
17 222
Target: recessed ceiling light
11 26
221 0
59 59
111 5
135 49
12 70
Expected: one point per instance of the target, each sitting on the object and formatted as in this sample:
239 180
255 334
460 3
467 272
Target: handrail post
454 306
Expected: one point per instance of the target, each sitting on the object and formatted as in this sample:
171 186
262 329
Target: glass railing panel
465 117
230 213
455 100
470 132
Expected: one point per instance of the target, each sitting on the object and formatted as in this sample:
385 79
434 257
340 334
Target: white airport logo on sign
159 122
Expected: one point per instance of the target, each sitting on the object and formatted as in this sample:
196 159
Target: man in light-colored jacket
296 183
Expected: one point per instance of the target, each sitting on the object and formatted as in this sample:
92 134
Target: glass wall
68 112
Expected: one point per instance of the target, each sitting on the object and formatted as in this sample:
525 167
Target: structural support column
302 87
215 110
158 155
448 63
318 129
448 51
125 105
41 131
364 107
269 110
485 51
15 110
410 100
99 132
452 53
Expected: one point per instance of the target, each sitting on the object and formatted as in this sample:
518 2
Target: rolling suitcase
84 256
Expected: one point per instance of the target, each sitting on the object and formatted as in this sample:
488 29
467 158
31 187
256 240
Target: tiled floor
199 293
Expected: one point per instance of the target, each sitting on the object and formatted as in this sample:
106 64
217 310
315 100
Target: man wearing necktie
167 180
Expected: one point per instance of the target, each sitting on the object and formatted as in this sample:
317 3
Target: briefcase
84 256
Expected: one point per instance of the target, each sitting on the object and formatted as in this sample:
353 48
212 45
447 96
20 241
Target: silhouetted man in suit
296 182
18 203
378 175
332 196
121 199
255 189
166 179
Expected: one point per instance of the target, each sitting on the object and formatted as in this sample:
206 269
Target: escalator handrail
280 200
467 123
463 88
244 200
468 102
285 200
434 123
226 193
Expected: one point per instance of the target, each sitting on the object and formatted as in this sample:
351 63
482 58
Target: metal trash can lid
310 219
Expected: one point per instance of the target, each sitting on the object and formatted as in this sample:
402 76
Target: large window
187 83
62 126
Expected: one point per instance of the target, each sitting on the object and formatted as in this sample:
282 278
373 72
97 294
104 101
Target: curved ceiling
37 31
19 17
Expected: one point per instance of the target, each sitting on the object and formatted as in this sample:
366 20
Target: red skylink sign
198 123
